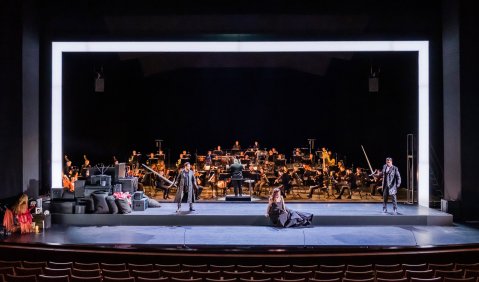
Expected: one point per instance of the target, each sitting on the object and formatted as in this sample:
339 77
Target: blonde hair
22 205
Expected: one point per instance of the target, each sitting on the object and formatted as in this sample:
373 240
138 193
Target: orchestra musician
318 182
263 180
209 159
376 182
350 184
162 185
134 161
255 146
69 176
199 181
85 167
236 146
285 180
218 151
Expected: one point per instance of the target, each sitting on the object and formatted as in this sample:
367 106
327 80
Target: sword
159 175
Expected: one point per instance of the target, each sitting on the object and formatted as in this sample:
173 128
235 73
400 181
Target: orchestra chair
20 278
259 275
397 274
170 267
329 268
60 265
257 267
86 266
58 278
57 272
113 266
388 267
115 273
74 278
145 273
325 275
33 264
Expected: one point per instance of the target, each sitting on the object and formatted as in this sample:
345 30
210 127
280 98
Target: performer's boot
179 208
385 210
191 207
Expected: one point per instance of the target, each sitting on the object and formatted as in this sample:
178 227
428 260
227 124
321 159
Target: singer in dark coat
391 182
187 187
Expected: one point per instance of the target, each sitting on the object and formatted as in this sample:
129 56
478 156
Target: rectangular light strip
422 47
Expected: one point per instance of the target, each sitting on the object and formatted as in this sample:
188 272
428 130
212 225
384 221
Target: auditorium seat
255 280
415 267
325 280
145 279
434 279
169 267
324 275
145 273
6 263
7 270
388 267
290 275
20 278
57 278
229 267
441 266
277 267
424 274
140 267
61 265
57 272
359 280
296 267
470 279
191 267
465 266
86 272
206 274
404 279
86 266
33 264
174 279
182 274
115 273
113 266
256 267
471 273
220 280
359 274
74 278
266 274
332 268
28 271
290 280
449 273
113 279
236 274
360 268
398 274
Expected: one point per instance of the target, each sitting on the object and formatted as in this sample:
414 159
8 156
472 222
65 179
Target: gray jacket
190 188
391 180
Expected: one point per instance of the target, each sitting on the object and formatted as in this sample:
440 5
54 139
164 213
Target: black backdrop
199 105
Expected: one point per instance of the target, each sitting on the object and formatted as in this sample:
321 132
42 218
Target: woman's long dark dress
288 218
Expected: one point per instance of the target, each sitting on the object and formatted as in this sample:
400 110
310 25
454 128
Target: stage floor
253 214
243 225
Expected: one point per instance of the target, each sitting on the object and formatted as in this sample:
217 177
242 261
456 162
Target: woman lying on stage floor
281 216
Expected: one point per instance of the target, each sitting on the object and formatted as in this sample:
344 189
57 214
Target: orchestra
304 170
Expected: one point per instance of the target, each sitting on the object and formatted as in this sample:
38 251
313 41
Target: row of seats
54 271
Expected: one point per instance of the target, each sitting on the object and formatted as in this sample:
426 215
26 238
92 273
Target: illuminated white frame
422 47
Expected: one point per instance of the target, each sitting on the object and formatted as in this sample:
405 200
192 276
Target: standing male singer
391 181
